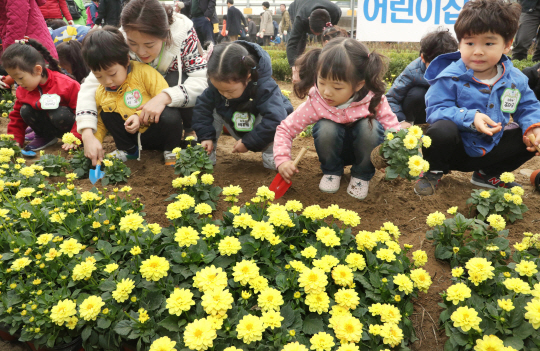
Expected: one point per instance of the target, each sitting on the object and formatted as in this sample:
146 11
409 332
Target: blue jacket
269 102
456 95
412 76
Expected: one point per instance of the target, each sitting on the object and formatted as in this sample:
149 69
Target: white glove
279 35
284 32
246 28
247 35
3 85
226 32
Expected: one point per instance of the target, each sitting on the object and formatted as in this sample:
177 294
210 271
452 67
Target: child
242 96
332 32
472 95
406 96
46 98
70 58
346 101
125 86
91 13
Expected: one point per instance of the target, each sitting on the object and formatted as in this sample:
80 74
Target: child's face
28 81
482 52
112 77
335 92
230 90
145 46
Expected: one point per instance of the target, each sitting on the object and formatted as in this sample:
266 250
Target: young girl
346 101
124 87
46 98
70 58
332 32
242 96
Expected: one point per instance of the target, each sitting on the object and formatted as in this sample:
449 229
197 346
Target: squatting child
346 101
473 94
407 94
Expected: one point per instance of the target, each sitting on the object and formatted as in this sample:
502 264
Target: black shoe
491 181
427 184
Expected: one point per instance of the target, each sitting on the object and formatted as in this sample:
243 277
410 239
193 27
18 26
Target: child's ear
38 70
360 86
508 46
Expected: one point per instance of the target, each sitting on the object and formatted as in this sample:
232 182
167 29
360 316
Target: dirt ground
392 201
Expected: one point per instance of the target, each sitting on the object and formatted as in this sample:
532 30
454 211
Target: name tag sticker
133 98
510 100
49 101
243 121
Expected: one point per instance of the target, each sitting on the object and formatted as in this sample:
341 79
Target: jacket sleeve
16 124
243 18
385 116
441 105
287 21
272 110
101 129
87 114
230 17
194 65
203 116
15 25
210 9
297 41
93 11
102 10
290 128
398 91
527 114
73 91
65 10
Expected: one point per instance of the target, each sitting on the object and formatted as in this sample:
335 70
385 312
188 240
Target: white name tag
510 100
49 101
243 121
133 98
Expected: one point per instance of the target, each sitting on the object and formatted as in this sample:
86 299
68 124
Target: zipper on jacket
226 102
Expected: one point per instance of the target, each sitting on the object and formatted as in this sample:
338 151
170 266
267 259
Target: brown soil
392 201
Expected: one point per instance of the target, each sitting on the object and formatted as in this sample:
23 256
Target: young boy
406 97
125 86
473 93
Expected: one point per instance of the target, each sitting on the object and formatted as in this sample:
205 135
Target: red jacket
59 84
56 9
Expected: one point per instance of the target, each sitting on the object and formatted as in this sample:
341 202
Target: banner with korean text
404 20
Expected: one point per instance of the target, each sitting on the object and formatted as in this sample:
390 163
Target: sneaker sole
356 197
483 185
52 142
329 191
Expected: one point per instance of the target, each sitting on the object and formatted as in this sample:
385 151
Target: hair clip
22 41
254 83
243 57
254 67
328 25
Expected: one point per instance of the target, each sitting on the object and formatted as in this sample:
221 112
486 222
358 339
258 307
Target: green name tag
510 100
243 121
49 101
133 98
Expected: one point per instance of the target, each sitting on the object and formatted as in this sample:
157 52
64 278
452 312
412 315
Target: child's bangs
335 65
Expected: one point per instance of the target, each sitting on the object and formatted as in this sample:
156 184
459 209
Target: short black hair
230 2
103 48
225 17
56 23
318 20
483 16
249 17
436 43
266 4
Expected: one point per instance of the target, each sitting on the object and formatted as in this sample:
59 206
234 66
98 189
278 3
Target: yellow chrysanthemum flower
270 299
180 300
322 342
154 268
90 308
457 293
163 344
466 318
250 329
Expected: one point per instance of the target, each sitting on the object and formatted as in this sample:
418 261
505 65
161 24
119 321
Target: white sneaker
358 188
123 155
329 183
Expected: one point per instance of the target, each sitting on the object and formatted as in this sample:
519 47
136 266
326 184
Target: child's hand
287 170
482 124
68 147
529 144
208 145
239 147
132 124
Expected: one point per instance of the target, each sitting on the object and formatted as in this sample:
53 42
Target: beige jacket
266 23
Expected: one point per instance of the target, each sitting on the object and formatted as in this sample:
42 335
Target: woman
56 9
267 27
168 42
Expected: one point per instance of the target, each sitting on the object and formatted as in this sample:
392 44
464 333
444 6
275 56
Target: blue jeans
204 29
339 145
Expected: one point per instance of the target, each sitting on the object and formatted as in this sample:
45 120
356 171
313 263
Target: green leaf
170 323
515 342
524 331
313 324
107 285
223 261
123 328
288 316
86 332
281 281
442 252
103 323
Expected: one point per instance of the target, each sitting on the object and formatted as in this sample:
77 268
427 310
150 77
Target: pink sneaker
329 183
358 188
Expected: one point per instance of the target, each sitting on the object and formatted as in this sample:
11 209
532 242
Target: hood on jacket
450 65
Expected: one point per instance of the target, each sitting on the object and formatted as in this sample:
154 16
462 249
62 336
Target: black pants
185 113
414 105
164 135
266 40
48 123
528 25
447 151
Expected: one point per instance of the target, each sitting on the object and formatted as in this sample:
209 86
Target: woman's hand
239 147
132 124
208 145
287 170
68 147
92 147
151 111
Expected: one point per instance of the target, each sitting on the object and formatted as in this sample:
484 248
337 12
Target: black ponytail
308 76
374 72
27 56
233 62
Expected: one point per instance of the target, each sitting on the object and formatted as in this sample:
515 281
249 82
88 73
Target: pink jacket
19 18
315 108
